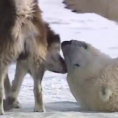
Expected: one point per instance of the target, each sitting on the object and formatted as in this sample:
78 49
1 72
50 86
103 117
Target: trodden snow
59 102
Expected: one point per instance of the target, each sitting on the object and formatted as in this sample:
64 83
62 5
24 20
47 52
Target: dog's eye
77 65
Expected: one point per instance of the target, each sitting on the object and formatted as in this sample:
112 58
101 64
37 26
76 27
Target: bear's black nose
66 43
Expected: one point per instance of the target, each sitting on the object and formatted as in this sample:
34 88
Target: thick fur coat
21 27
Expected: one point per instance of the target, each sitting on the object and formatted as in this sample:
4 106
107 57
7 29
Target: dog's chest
24 30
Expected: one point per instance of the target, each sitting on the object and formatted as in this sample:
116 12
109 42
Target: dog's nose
66 43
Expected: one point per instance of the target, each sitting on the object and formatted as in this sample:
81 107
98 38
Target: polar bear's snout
66 43
75 54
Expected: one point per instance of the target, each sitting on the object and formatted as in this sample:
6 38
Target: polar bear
92 76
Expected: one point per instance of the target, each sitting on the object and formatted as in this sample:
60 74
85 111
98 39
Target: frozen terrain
58 100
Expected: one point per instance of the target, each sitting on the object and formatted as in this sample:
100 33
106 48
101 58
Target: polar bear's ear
83 44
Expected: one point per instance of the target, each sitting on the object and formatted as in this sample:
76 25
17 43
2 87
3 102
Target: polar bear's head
82 58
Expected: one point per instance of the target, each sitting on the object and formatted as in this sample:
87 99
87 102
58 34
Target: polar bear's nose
66 43
75 43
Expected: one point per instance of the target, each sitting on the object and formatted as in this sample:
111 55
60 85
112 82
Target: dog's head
83 59
54 61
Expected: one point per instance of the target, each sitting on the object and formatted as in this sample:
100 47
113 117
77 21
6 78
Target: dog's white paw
39 108
16 105
10 103
1 111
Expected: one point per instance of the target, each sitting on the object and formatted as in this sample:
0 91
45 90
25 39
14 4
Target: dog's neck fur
19 21
29 25
10 10
25 7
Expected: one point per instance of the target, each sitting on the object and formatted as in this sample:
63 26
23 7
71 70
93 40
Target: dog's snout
66 43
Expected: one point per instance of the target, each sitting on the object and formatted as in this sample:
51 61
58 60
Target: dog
54 62
92 76
21 26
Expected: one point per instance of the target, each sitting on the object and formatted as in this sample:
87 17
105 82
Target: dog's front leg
1 93
3 71
16 84
7 86
37 76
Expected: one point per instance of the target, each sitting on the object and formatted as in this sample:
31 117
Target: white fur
95 83
25 7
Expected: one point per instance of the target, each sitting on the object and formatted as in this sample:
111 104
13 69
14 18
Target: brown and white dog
25 64
21 27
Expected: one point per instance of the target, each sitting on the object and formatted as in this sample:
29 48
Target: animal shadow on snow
64 106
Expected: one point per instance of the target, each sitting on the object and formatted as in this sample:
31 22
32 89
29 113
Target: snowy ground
91 28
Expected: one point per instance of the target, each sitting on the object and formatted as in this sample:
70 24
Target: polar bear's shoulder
111 70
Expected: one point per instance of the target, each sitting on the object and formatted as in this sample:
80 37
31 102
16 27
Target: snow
92 28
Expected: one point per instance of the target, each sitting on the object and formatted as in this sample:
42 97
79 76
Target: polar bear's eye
77 65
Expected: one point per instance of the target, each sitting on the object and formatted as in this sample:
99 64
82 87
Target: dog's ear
56 38
52 37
